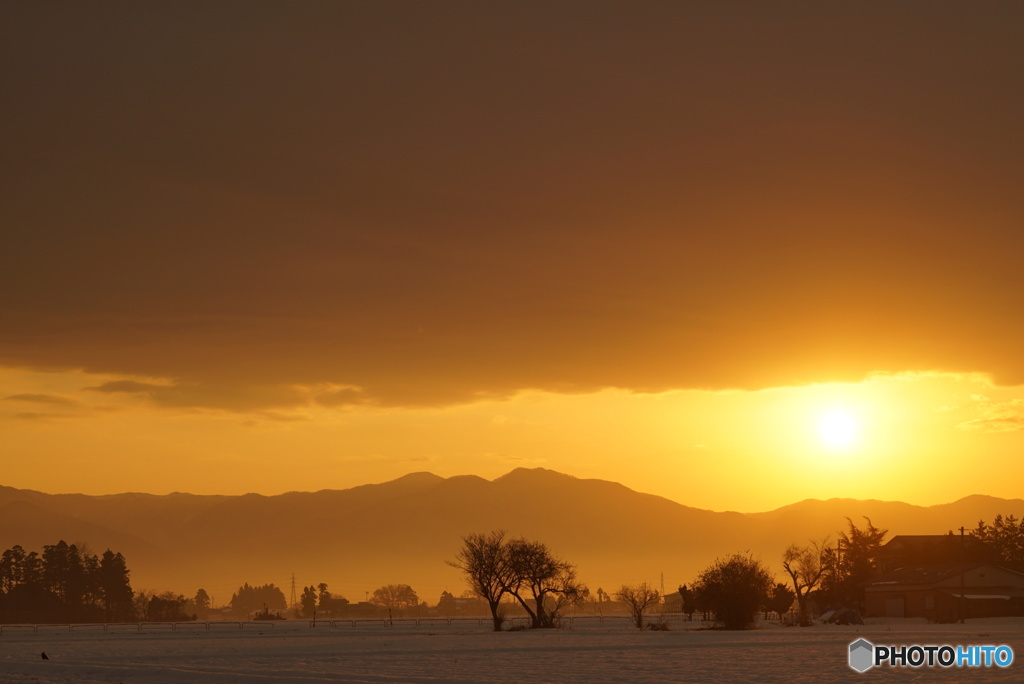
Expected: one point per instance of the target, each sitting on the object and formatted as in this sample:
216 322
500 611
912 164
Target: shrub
734 589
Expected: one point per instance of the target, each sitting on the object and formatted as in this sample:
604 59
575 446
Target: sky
737 254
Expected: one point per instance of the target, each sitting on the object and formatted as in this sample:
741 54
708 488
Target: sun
838 429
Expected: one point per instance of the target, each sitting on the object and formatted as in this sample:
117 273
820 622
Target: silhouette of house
934 592
905 550
332 607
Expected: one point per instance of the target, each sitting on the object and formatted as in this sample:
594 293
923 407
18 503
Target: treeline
732 590
394 600
1005 536
64 584
258 600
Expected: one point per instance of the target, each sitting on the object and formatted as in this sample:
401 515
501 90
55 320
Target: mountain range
403 531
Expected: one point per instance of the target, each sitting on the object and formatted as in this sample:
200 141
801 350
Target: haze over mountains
404 530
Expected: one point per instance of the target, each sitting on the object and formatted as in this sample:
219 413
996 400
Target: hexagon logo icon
862 654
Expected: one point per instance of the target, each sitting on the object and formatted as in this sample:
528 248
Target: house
905 550
946 592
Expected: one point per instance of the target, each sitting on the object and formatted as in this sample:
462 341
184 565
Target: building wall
914 603
934 604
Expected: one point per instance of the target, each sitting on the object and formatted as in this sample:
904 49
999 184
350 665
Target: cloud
1007 416
418 459
338 398
510 458
1008 423
282 417
40 416
557 217
234 396
52 399
128 387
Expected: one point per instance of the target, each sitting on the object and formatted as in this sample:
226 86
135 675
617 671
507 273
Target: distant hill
404 530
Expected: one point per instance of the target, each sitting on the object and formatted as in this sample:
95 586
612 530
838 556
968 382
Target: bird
45 657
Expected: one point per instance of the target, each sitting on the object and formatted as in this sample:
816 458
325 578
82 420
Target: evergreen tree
202 600
308 602
65 583
249 600
446 604
115 588
853 562
1006 537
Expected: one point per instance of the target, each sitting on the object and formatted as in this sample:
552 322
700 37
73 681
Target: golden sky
261 246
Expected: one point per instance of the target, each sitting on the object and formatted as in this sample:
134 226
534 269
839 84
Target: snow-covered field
432 651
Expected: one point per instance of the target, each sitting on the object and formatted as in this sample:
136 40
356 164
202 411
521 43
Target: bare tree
639 598
805 566
395 597
527 570
537 575
484 560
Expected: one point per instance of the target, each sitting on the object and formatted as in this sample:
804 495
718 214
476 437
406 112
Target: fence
617 621
137 626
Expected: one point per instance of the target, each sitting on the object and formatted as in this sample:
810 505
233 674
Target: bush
734 589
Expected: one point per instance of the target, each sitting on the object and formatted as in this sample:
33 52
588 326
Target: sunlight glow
838 429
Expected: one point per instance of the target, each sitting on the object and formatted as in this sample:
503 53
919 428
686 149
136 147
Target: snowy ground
432 651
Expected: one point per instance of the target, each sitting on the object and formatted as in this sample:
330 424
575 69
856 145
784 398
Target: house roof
917 542
919 574
983 597
928 574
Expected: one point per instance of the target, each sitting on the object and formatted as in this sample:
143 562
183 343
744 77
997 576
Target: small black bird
45 657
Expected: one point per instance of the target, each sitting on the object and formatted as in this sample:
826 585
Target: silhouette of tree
25 599
446 604
308 602
248 600
1006 537
323 596
527 570
780 600
65 583
853 562
202 599
63 574
115 587
12 568
805 566
689 604
484 560
638 598
734 588
536 575
395 597
167 607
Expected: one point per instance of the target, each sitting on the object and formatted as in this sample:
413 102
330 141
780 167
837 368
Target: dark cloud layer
51 399
433 202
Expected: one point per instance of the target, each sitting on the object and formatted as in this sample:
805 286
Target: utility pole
963 572
295 601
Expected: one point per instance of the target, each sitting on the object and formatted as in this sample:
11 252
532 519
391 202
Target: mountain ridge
403 530
438 479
